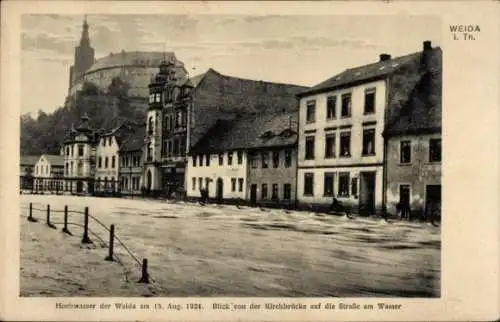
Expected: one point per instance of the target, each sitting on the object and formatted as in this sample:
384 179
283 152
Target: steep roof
195 80
134 141
363 73
264 131
29 159
422 111
55 160
124 129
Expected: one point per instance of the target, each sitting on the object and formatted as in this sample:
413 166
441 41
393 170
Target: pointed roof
29 160
55 160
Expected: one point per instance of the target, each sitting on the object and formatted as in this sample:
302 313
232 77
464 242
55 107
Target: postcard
250 161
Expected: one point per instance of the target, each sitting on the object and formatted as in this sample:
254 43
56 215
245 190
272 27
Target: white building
79 158
48 172
342 120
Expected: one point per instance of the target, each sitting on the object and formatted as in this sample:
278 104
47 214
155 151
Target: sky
303 50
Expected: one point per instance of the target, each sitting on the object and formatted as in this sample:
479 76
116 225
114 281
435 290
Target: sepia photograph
213 155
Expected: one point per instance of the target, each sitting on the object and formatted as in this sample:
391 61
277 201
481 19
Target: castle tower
158 95
84 55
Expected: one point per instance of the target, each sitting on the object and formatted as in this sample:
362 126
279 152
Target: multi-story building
248 158
131 153
341 148
49 172
182 110
413 168
79 158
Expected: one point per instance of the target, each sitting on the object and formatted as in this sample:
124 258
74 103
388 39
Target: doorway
433 202
220 189
253 194
79 186
149 180
367 193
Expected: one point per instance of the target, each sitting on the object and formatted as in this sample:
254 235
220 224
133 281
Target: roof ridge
256 81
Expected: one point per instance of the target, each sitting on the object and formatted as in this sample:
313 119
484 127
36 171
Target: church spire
85 40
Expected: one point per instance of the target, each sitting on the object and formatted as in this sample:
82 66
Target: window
405 152
80 150
354 186
193 183
346 105
345 144
67 150
240 157
200 161
207 160
233 184
194 157
368 142
150 125
287 191
221 158
106 162
370 101
207 183
274 194
176 147
343 184
240 184
113 162
253 160
265 159
100 162
200 183
308 184
435 150
158 97
288 158
309 147
104 142
331 103
276 159
80 168
110 139
149 152
230 158
264 191
328 184
330 145
310 111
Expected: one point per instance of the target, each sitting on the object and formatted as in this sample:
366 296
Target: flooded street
214 250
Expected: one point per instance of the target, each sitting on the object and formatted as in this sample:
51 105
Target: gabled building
49 172
182 110
131 162
27 170
342 151
414 149
107 154
252 159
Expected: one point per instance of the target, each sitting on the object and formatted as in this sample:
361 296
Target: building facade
107 170
49 172
342 150
251 159
414 148
181 111
27 170
79 158
131 162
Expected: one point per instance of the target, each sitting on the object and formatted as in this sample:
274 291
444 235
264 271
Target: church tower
84 55
158 95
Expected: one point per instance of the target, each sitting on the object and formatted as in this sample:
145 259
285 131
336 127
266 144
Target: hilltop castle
136 68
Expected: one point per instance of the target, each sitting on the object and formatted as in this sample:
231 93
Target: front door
220 189
253 194
433 202
367 193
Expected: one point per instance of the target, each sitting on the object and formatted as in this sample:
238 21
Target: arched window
113 162
150 125
100 162
149 152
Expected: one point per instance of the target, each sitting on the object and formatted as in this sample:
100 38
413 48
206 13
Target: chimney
427 45
385 57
